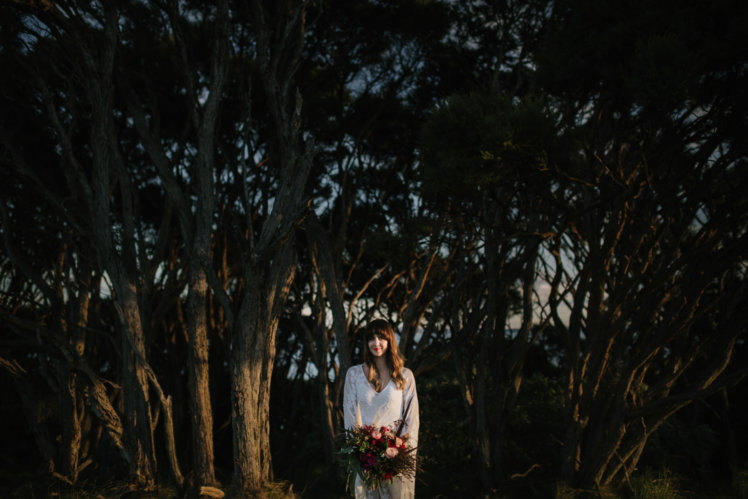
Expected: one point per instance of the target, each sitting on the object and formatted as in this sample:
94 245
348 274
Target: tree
209 201
655 232
362 247
485 167
94 168
489 160
130 128
264 237
192 195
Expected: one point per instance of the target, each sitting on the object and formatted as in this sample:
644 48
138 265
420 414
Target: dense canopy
204 203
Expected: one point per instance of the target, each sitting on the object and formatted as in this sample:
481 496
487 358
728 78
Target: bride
380 392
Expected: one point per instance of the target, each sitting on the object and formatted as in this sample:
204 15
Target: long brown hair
383 329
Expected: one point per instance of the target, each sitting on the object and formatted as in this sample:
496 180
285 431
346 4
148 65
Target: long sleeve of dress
351 415
410 414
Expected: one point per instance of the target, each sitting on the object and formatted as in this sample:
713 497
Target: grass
740 485
647 484
563 491
41 489
659 485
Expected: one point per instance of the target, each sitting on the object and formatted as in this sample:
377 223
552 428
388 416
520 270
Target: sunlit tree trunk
203 171
268 257
252 358
198 368
73 405
108 170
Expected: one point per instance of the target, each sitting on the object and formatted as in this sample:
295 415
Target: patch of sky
181 170
32 295
310 370
546 271
194 15
690 115
364 82
34 31
202 95
91 17
586 112
173 147
116 233
105 286
406 60
225 176
720 157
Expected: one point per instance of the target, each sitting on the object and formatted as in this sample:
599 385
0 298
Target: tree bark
137 420
198 368
252 358
268 259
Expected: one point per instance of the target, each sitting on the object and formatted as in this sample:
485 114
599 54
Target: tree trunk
268 260
137 420
198 368
482 436
332 290
733 462
101 407
73 405
252 357
71 416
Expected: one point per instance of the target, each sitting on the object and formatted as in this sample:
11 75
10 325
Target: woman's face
377 345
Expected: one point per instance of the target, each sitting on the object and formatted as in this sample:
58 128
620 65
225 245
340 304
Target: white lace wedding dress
363 405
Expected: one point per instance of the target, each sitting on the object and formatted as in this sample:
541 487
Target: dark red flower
367 460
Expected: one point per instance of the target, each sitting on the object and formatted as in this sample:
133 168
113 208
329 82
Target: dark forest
204 203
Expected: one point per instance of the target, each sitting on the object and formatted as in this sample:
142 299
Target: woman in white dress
381 392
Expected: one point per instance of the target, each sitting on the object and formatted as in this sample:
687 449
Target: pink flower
391 452
398 442
376 435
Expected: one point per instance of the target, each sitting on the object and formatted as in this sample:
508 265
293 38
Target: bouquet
378 454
